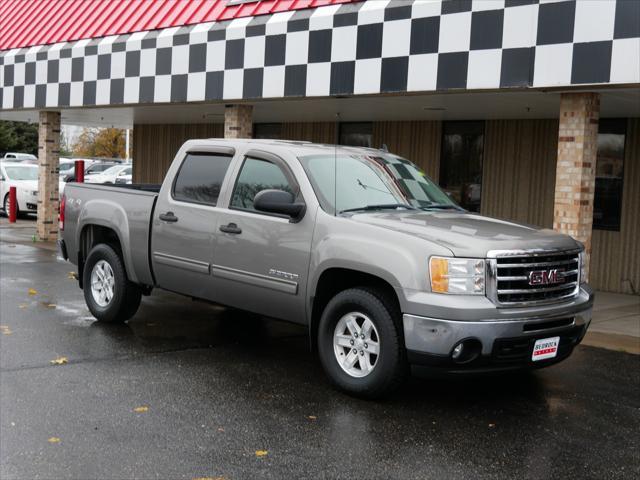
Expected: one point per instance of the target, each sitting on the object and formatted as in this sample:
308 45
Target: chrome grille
511 276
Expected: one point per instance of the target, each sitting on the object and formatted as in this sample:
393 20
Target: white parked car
19 157
24 177
111 175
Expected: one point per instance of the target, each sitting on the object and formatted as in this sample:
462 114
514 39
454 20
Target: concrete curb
612 341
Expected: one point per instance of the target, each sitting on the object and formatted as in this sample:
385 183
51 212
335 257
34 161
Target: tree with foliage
65 148
100 142
18 137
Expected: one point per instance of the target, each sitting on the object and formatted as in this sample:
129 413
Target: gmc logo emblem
546 277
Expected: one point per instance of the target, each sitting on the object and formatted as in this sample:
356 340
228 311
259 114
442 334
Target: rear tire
378 319
109 294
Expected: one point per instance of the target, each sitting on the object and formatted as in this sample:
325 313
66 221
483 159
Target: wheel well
91 236
334 281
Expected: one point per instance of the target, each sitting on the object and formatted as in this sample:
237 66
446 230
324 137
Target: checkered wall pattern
377 46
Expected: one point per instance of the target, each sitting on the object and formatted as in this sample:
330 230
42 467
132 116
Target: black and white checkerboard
377 46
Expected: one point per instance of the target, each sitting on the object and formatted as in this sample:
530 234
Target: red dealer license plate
545 348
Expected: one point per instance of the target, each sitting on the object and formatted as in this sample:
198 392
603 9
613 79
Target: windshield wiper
386 206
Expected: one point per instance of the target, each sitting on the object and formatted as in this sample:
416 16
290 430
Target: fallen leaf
5 330
53 440
220 429
312 417
141 409
33 291
22 306
50 305
59 361
261 453
72 275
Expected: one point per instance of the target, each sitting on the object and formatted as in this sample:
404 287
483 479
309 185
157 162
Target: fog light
457 351
466 351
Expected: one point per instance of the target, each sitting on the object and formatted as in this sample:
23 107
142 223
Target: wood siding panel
519 170
316 132
615 257
418 141
155 146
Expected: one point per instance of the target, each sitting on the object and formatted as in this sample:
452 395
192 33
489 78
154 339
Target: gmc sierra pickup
355 243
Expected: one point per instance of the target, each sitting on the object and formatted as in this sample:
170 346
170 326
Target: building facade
527 110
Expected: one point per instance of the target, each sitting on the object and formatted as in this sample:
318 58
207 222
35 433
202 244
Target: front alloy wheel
360 342
356 344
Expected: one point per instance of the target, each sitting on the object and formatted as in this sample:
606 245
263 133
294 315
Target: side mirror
278 201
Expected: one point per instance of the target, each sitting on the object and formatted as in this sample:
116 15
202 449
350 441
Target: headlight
457 275
583 266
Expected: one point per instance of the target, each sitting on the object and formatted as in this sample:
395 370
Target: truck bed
125 209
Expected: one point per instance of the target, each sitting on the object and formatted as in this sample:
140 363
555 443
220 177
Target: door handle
168 217
230 228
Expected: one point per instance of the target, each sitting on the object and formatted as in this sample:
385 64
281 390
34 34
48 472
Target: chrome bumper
436 336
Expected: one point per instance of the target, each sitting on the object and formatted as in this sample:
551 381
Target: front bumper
506 343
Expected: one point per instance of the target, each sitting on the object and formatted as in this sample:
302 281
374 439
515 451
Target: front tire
109 294
360 343
5 206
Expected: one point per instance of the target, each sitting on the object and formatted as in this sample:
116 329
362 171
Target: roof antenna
384 148
335 166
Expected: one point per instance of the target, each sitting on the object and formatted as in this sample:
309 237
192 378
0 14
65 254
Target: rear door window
200 177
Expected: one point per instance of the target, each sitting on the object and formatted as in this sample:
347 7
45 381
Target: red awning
25 23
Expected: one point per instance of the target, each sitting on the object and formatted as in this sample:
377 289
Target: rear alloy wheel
109 294
360 343
102 283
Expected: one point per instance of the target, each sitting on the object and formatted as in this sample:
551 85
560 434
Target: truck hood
467 234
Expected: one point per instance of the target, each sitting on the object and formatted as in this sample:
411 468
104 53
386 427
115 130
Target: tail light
63 203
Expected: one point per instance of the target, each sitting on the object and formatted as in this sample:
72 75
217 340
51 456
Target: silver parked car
355 243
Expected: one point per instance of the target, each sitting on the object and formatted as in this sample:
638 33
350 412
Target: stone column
48 175
238 121
576 166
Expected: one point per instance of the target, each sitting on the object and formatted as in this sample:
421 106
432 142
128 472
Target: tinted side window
257 175
200 178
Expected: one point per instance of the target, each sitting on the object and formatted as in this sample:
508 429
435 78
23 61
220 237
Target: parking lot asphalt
189 390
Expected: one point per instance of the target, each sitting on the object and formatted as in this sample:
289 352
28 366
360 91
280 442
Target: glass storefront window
267 130
356 134
607 204
461 162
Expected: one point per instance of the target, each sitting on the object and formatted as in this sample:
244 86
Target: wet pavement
219 385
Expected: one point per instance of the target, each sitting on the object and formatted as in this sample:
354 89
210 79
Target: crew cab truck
355 243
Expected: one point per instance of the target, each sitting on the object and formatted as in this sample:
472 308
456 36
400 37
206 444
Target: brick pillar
48 175
576 166
238 121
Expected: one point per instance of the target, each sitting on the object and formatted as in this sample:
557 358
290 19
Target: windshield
22 173
65 167
379 181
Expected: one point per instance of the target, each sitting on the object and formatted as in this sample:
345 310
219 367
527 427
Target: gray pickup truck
355 243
